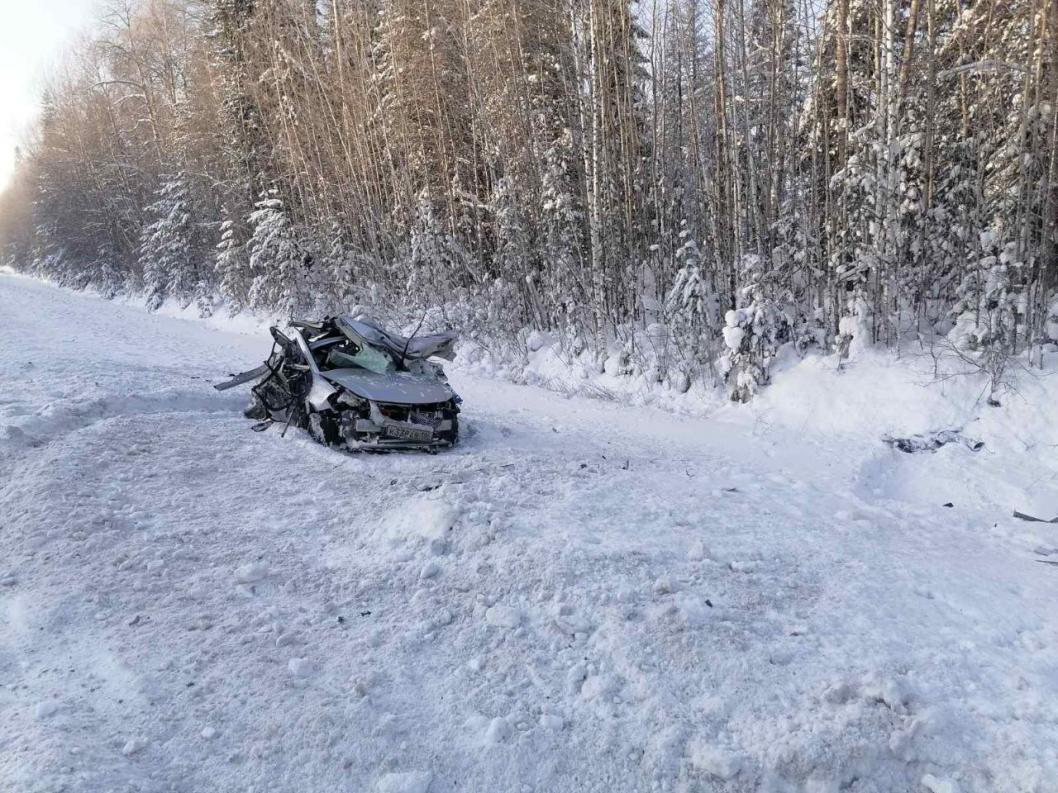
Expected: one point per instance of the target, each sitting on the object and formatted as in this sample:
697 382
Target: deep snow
584 596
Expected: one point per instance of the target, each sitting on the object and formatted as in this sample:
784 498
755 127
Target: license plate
408 432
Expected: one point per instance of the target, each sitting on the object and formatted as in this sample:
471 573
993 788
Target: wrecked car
354 385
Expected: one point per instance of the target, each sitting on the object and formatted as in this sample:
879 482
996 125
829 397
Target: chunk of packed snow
662 586
698 551
714 760
46 709
134 745
500 616
550 721
416 520
300 667
251 572
733 338
936 785
498 731
404 782
536 341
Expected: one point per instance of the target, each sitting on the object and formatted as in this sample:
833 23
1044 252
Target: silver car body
379 392
402 388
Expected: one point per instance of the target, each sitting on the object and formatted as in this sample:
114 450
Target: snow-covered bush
620 361
990 312
1051 324
854 328
991 307
752 334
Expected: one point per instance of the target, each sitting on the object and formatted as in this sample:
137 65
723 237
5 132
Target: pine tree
167 256
277 260
691 307
990 312
432 256
753 333
514 249
562 244
232 264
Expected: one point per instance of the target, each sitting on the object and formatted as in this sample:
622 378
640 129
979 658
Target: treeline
693 182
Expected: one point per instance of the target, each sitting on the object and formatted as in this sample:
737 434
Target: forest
696 184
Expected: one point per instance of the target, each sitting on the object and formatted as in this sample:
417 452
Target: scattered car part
1032 518
931 441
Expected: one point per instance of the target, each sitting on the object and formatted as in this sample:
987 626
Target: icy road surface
582 597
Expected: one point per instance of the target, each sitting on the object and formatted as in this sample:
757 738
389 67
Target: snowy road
581 597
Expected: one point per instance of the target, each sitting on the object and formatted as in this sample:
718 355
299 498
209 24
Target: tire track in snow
64 417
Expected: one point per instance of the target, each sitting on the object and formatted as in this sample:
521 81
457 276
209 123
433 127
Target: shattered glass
365 358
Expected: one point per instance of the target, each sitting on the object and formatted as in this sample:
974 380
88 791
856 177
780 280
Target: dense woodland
691 183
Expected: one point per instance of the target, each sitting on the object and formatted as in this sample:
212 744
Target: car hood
399 387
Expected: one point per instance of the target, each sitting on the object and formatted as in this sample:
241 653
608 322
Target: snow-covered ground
584 596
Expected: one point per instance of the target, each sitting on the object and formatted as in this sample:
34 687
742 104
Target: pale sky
33 34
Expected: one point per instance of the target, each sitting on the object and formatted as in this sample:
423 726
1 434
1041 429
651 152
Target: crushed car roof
439 344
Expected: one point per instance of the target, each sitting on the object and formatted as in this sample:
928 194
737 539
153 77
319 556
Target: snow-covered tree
991 308
752 334
514 250
167 257
277 260
526 162
434 259
690 307
232 264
